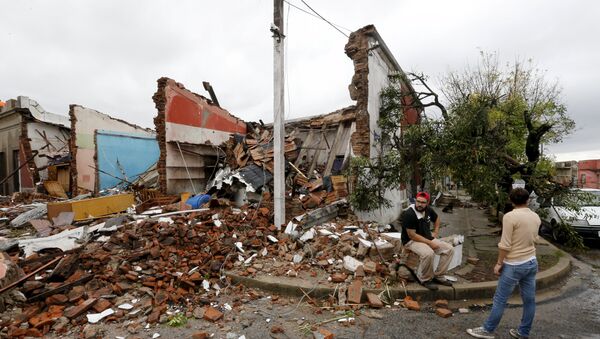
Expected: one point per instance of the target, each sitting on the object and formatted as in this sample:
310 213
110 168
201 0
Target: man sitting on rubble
418 238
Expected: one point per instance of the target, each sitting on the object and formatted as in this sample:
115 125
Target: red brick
212 314
411 304
355 292
374 300
78 310
444 313
326 334
101 305
338 277
41 320
33 332
78 292
441 303
57 299
200 335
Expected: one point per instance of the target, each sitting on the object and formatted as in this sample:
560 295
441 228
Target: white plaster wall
384 216
379 69
88 121
58 140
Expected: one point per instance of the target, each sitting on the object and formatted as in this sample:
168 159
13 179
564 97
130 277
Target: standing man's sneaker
515 334
479 332
430 285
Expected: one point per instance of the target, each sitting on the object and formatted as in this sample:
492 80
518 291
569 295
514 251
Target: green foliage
177 320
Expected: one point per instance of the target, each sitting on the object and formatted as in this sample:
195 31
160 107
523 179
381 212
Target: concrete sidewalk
481 239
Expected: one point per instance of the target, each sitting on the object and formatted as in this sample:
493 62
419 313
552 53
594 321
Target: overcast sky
107 55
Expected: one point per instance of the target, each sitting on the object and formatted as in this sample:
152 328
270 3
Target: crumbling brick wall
73 151
357 49
160 101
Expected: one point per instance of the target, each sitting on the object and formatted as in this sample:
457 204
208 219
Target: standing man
417 237
516 265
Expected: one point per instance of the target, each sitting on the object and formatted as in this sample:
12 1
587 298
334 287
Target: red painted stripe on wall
183 110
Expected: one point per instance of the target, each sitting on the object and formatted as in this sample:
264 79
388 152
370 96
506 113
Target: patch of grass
177 320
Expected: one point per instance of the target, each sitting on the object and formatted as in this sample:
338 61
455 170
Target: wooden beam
333 150
303 150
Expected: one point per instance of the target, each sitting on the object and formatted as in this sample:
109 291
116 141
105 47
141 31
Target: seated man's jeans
511 276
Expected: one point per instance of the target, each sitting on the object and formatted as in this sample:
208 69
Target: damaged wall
85 122
189 130
323 139
10 134
26 128
373 64
114 156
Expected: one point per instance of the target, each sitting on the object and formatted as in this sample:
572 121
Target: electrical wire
319 17
327 21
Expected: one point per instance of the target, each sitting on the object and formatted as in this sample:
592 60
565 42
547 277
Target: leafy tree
498 119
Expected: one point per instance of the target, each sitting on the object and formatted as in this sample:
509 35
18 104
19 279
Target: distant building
588 174
566 172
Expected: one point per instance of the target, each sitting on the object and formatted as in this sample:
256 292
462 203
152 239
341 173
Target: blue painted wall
134 153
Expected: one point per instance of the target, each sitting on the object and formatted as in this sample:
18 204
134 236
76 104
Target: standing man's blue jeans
511 276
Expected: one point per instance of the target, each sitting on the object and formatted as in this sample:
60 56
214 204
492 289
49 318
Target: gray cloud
107 55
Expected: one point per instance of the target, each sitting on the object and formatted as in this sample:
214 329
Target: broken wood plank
18 282
61 288
313 163
333 150
55 189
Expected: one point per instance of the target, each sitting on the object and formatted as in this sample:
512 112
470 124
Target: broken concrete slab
37 212
63 219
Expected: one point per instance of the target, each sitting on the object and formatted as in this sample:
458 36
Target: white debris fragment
272 238
240 258
194 269
155 335
290 228
362 234
264 252
247 261
165 219
239 246
227 307
217 223
96 317
365 243
125 306
206 285
308 235
351 264
298 258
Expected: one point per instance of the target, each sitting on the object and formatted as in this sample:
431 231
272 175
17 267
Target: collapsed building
34 146
168 256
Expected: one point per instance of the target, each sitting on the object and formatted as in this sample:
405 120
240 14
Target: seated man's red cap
423 195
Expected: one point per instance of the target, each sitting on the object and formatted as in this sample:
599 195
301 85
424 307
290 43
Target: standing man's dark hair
518 196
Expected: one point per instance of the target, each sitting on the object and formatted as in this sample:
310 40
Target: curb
544 280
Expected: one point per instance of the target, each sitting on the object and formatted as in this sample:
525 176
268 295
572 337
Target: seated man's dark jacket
422 226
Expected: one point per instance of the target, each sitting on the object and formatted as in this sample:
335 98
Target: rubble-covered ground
140 274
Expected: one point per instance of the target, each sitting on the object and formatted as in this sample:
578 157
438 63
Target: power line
327 21
319 17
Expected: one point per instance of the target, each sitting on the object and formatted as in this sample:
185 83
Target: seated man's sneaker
479 332
430 285
441 281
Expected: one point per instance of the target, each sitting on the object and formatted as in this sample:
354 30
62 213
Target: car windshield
580 198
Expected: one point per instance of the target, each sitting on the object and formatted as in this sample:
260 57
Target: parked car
585 221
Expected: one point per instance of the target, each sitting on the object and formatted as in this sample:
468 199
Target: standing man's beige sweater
519 234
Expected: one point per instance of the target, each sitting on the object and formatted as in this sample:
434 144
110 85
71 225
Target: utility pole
278 112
